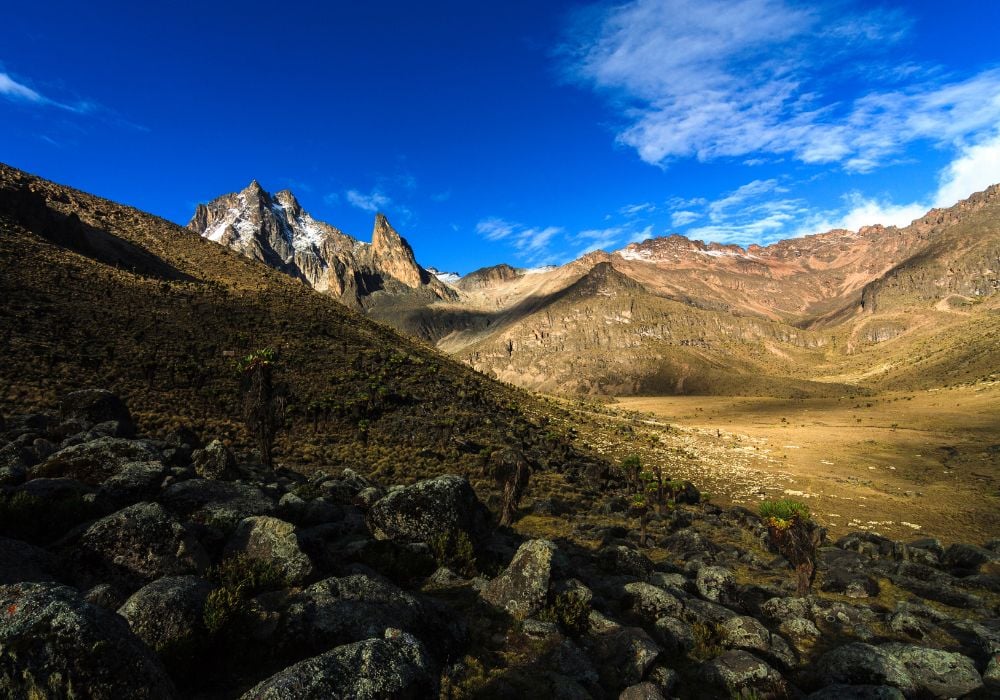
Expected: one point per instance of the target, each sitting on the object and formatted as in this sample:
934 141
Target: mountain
274 229
100 294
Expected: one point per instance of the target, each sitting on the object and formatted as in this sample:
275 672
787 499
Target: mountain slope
277 231
101 294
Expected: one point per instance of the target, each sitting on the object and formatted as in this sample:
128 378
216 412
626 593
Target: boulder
937 673
967 559
622 655
215 461
394 667
744 632
675 636
272 540
20 561
715 583
641 691
429 509
135 481
739 673
857 692
863 664
167 615
94 461
649 602
351 608
219 504
97 406
620 559
522 588
850 583
53 644
135 546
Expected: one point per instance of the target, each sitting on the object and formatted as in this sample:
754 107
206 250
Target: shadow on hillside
31 211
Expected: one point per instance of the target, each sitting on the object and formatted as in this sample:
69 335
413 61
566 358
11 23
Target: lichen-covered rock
863 664
168 615
53 644
428 509
351 608
394 667
800 632
739 673
215 461
221 504
641 691
857 692
743 632
715 583
966 559
134 482
622 655
649 602
937 673
675 636
97 406
20 561
272 540
134 546
620 559
94 461
522 588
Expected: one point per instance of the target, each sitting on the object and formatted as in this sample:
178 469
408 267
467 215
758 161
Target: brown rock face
393 255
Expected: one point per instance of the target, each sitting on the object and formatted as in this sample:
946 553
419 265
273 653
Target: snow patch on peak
634 254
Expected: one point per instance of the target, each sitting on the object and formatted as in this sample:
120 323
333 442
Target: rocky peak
604 280
393 255
489 277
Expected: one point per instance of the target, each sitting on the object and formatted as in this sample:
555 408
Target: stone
650 602
744 632
429 509
215 461
97 406
355 607
966 559
738 673
800 632
849 583
937 673
134 546
272 540
52 642
620 559
20 561
94 461
397 666
715 583
221 504
168 615
134 482
522 588
858 663
857 692
622 655
641 691
674 635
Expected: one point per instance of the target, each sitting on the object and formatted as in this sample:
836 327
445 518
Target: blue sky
525 132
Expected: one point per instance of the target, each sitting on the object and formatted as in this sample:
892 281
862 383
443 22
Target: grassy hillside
98 294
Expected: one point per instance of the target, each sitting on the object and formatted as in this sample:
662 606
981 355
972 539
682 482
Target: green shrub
225 609
454 550
570 610
784 511
247 575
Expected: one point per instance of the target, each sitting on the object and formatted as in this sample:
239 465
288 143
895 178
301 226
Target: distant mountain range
833 312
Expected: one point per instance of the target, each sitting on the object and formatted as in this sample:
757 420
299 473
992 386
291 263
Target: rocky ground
143 568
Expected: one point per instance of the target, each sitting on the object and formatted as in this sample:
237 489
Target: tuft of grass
455 550
247 575
784 511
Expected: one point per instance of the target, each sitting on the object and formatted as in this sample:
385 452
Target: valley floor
903 465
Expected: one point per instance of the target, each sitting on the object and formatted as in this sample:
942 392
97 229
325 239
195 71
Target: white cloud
636 209
976 168
19 92
373 202
709 79
532 244
684 217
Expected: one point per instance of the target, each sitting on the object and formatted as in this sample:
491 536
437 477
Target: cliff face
277 231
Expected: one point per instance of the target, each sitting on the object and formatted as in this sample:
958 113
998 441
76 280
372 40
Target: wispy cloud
19 92
532 244
709 79
636 209
684 217
373 202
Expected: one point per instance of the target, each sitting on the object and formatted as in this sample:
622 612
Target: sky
523 132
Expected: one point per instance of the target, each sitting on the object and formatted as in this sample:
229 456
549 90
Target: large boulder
351 608
168 615
135 546
715 583
394 667
937 673
98 406
215 461
272 540
95 461
651 603
739 673
20 561
427 510
622 655
53 644
134 482
863 664
743 632
220 504
966 559
522 588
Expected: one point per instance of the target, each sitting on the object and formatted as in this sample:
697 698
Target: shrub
248 575
796 537
454 550
570 610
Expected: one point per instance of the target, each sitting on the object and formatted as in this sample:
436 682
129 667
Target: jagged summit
276 230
